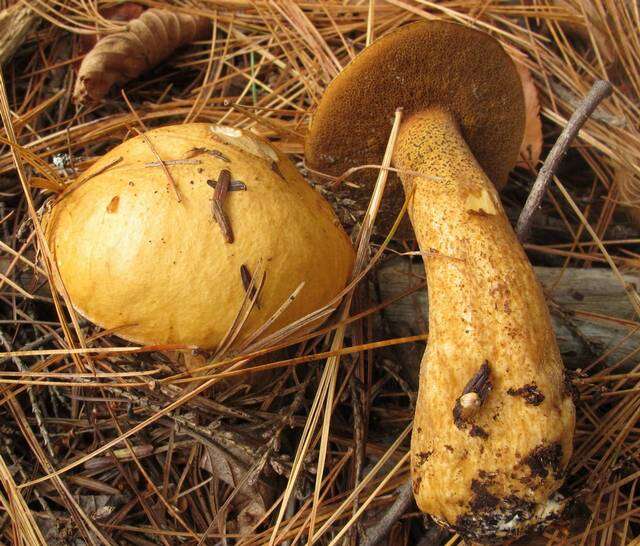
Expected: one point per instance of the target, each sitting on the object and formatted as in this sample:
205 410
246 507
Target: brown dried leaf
250 502
250 512
121 12
123 56
531 147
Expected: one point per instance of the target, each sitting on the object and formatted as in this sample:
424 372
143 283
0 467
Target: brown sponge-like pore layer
421 65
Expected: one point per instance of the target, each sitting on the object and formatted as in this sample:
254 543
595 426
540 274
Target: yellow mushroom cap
159 271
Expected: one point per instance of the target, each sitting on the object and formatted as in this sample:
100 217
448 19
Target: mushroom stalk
493 429
493 422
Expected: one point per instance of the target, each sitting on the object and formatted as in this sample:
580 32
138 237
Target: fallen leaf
251 512
121 12
145 42
231 466
531 146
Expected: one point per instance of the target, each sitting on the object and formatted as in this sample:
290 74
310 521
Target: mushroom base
494 421
513 517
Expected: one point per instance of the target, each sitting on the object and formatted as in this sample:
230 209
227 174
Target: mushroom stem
491 471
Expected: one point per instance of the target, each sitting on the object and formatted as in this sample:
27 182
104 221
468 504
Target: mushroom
157 265
485 461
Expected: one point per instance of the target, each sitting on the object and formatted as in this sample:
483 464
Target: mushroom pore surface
159 271
416 67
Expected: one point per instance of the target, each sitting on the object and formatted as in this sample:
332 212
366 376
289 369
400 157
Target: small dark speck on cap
113 204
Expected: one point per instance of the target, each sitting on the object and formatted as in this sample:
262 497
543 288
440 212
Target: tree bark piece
590 310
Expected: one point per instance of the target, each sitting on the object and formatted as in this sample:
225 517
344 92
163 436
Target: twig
220 438
215 153
219 196
35 403
33 344
173 162
16 461
599 91
393 370
355 387
234 185
598 114
375 534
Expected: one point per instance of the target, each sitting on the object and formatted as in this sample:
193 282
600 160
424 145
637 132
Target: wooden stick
403 501
590 309
599 91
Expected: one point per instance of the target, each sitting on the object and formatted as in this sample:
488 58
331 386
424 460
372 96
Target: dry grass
301 439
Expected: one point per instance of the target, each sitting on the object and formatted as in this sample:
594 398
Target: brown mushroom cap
418 66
